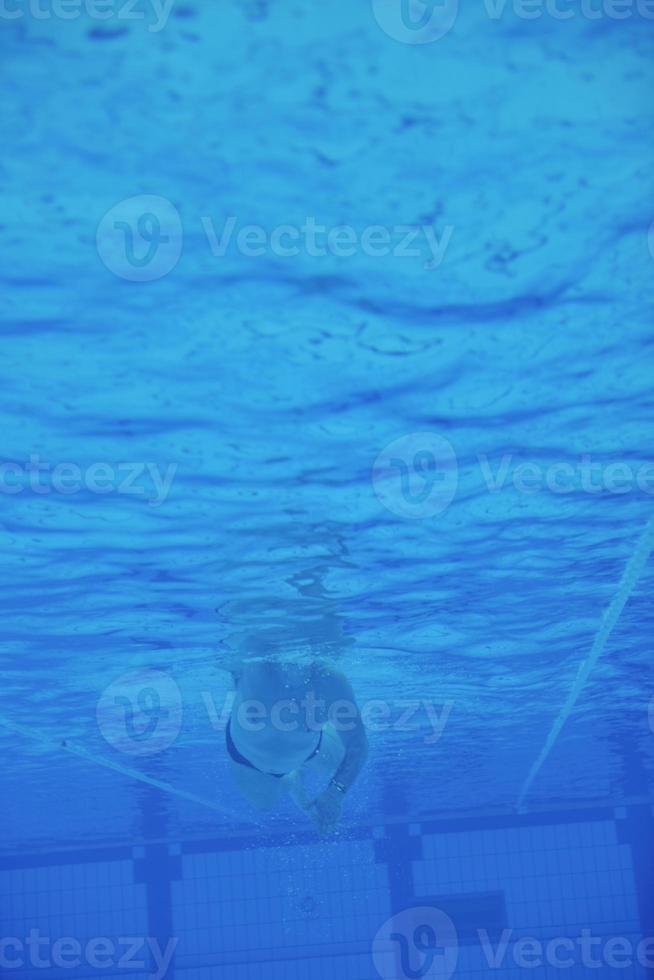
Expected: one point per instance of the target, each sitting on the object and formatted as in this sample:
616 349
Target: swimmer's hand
325 810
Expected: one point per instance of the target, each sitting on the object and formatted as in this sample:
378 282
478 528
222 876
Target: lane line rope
99 760
633 570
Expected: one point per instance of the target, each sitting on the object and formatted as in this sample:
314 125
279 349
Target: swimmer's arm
345 716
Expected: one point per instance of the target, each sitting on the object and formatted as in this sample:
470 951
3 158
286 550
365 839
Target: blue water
268 387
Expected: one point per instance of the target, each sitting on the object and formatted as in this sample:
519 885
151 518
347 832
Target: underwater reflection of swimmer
292 725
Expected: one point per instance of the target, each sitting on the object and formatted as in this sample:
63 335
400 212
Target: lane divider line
633 570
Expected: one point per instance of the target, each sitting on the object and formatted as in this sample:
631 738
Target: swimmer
292 725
